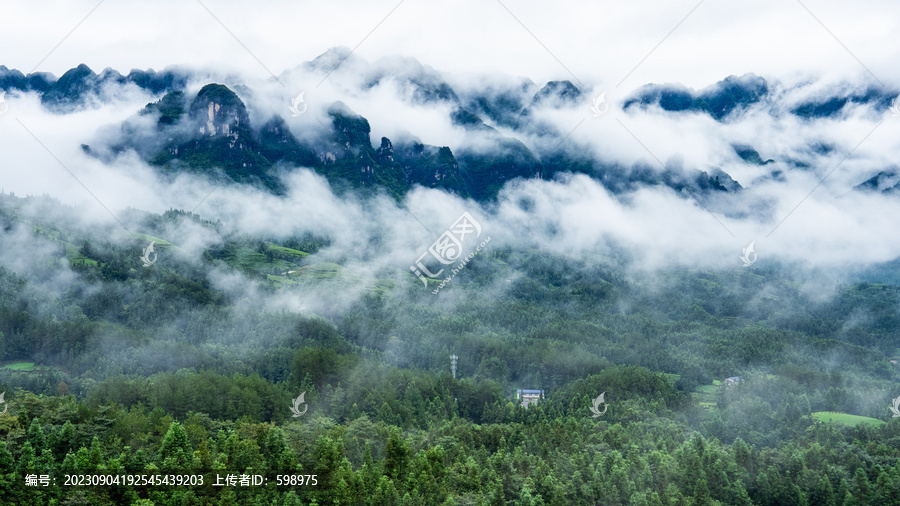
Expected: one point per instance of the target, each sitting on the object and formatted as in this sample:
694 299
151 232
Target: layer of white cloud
599 44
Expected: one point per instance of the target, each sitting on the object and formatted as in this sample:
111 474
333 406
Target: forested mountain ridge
113 367
503 129
511 128
508 135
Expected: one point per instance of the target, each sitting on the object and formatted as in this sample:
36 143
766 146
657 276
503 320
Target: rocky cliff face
220 112
211 134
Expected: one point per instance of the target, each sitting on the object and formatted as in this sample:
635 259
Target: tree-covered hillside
189 367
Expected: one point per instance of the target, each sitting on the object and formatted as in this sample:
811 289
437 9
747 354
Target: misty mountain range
210 131
560 266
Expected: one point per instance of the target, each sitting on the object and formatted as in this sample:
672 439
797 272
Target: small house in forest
734 380
527 397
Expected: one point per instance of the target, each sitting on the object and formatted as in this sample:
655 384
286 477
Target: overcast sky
597 43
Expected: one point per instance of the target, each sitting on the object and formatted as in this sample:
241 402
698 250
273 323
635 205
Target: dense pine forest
190 366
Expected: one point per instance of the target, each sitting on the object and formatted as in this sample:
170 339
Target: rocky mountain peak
219 111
